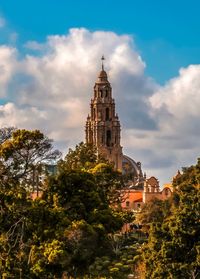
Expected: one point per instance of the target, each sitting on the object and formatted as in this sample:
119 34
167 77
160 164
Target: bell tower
102 125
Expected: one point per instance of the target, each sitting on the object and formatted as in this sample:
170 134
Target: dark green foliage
75 226
83 157
173 248
66 228
13 230
152 212
23 155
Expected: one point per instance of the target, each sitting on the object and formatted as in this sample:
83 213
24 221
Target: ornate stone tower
102 125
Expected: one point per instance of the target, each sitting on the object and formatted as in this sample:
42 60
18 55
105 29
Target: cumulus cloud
33 45
51 90
175 143
180 96
176 107
7 67
59 83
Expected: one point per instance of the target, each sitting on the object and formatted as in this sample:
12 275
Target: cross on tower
102 59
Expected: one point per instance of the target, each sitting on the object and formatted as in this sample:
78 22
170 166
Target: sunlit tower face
102 125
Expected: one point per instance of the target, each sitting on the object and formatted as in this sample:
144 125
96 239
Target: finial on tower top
102 59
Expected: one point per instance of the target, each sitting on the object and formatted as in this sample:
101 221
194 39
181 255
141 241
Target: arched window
107 114
106 93
108 138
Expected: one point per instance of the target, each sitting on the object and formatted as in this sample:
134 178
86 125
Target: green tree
155 211
14 208
84 156
173 248
21 223
32 242
23 156
65 229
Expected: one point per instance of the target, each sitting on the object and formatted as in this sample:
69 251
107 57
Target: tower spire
102 63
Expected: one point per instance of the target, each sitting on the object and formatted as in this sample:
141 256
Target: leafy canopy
24 154
173 249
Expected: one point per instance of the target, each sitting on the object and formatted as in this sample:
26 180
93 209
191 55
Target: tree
173 249
31 236
67 228
110 182
23 156
14 208
84 156
152 212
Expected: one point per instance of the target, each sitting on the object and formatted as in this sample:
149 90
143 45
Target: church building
103 130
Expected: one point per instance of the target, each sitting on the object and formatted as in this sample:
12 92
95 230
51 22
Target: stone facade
102 125
152 190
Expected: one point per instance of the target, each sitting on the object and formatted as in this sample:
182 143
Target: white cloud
176 108
181 95
177 105
55 87
7 67
33 45
52 90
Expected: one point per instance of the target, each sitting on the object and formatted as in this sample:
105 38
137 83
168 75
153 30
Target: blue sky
166 32
50 55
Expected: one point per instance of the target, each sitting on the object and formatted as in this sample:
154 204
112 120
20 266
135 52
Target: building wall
132 199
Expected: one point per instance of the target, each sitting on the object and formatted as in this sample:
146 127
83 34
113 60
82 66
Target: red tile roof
132 196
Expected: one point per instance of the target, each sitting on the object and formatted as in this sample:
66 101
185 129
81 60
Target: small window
108 138
107 114
127 203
